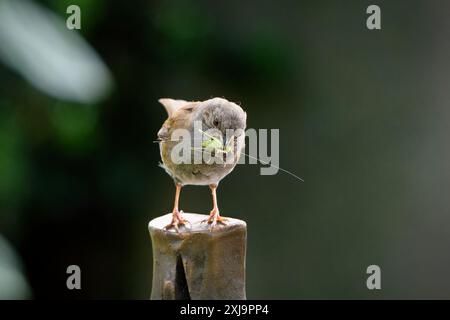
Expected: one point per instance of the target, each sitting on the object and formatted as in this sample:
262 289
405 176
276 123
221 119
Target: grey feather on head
223 115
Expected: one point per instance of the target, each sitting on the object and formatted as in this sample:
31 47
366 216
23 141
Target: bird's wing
179 118
172 105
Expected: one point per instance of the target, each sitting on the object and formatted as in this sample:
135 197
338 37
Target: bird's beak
226 143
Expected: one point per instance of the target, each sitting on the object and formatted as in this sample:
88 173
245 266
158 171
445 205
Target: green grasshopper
214 144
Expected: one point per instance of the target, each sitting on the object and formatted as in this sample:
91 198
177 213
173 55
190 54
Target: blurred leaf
13 284
37 44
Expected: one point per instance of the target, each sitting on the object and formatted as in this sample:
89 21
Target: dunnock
218 116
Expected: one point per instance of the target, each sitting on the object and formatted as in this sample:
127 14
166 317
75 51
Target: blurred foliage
74 126
37 44
13 162
13 284
362 118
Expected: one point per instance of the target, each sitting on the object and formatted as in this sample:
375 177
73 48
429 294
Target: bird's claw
177 221
215 219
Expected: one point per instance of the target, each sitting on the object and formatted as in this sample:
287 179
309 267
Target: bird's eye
216 122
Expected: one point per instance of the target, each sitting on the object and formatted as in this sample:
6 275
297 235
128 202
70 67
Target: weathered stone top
198 263
196 224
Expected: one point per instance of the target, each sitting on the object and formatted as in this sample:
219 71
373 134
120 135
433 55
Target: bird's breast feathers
181 116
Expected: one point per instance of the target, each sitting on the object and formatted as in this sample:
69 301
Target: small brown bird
221 124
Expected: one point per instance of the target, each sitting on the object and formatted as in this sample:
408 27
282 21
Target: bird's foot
177 220
214 219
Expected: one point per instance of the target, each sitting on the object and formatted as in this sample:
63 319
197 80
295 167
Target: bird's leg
214 216
177 219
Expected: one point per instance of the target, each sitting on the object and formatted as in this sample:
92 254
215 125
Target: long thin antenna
209 136
263 162
269 164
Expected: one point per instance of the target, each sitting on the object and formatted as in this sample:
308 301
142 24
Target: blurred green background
363 118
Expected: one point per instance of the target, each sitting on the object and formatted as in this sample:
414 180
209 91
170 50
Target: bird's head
224 116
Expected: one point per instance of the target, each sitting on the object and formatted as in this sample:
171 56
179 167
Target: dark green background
363 118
